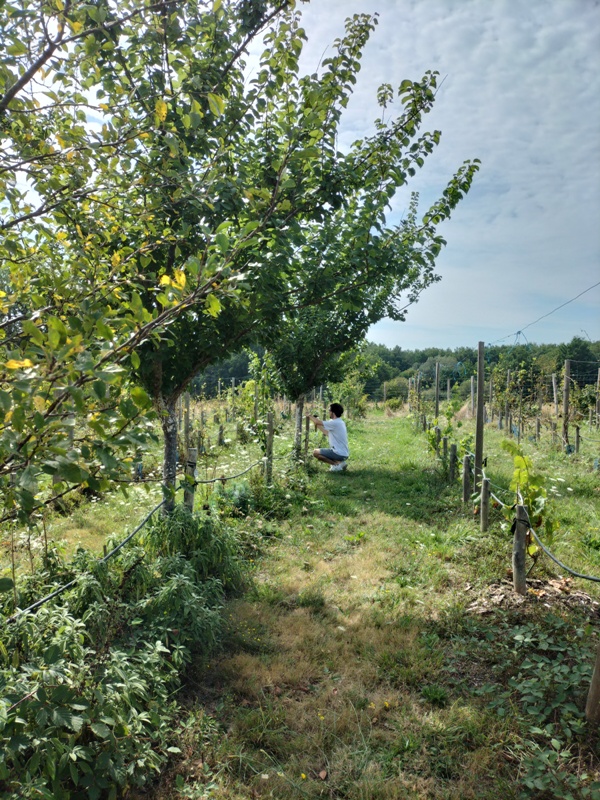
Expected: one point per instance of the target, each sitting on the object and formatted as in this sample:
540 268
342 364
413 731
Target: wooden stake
452 464
190 472
519 546
592 707
484 508
437 389
466 478
480 416
566 394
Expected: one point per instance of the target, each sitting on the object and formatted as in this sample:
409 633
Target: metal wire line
560 563
529 324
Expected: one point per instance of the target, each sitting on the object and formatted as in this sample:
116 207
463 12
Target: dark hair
337 409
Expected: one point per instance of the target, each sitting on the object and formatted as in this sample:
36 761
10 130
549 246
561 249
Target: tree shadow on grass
410 491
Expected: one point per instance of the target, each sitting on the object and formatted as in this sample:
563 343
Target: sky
520 90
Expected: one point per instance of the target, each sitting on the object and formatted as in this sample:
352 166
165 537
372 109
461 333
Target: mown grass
356 667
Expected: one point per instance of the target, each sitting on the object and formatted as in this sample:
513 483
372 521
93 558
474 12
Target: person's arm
318 423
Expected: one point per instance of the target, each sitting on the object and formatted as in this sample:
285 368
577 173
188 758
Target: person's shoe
336 468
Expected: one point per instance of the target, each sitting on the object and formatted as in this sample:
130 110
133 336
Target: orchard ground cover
379 654
376 652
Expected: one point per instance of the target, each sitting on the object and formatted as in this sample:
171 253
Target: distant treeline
394 366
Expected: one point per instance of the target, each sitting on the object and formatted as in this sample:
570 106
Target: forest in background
380 365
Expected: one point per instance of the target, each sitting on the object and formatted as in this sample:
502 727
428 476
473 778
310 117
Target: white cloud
520 91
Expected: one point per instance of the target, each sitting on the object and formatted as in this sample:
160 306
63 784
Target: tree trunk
168 420
298 427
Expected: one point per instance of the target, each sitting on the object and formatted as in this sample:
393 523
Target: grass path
353 668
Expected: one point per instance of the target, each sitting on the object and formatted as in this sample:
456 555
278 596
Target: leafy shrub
86 708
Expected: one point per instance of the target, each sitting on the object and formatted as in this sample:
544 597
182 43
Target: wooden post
437 389
592 707
507 404
484 507
384 391
466 479
219 388
566 396
190 473
519 547
577 439
255 401
538 428
221 439
452 464
520 423
509 424
424 423
438 439
555 393
553 426
491 399
500 421
480 416
269 450
445 448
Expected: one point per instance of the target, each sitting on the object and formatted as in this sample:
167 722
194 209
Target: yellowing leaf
13 363
39 403
179 279
165 280
61 236
161 109
115 260
76 26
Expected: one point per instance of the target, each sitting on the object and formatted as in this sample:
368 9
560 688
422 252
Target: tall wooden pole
507 404
437 389
480 413
566 394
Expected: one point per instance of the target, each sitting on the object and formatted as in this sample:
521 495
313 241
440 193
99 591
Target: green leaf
100 729
135 360
6 584
222 242
140 397
213 305
216 103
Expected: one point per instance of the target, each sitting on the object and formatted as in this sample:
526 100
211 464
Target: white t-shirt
338 436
